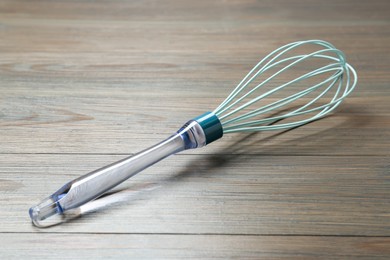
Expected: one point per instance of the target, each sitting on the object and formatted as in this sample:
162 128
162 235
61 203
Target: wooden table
84 83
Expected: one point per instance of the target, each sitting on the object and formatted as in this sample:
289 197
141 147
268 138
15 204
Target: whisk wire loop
335 84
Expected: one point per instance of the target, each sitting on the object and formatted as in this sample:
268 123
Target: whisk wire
316 72
287 100
233 121
284 49
299 59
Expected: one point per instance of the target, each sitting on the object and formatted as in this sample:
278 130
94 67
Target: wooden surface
84 83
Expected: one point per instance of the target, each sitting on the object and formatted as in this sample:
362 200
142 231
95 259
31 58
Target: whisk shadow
241 149
237 151
247 145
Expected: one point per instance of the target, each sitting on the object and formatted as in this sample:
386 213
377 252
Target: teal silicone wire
265 68
282 50
285 101
306 76
230 110
301 58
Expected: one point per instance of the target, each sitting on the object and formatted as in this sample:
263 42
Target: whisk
321 79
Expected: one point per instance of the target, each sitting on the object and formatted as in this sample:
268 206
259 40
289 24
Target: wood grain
219 194
114 246
84 83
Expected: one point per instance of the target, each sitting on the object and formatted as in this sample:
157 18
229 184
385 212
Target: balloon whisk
288 88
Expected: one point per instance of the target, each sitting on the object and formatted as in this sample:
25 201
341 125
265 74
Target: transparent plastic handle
92 185
195 133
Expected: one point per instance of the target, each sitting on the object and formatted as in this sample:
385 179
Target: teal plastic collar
211 126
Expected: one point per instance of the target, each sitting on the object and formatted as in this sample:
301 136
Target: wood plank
238 194
114 246
82 83
76 122
76 81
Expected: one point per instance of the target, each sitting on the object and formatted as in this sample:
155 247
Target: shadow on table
238 150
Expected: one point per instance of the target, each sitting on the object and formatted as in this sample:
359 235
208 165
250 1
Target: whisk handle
195 133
